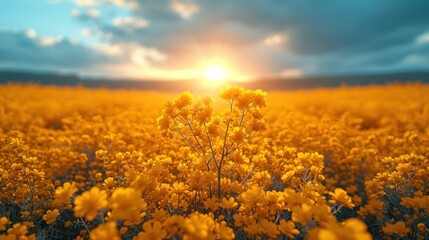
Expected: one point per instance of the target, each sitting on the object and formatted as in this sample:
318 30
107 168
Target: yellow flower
51 216
302 214
254 229
199 226
204 109
212 203
68 223
88 203
238 135
269 228
397 228
260 98
179 188
151 231
351 229
228 204
28 224
322 213
160 215
3 222
421 227
230 92
184 100
105 231
109 182
64 193
125 203
123 230
288 228
18 230
25 214
253 196
340 196
224 232
174 225
245 99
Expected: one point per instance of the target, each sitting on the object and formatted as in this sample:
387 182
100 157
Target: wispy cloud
43 40
49 41
291 73
85 14
131 4
96 35
31 33
87 3
130 22
184 9
275 39
423 39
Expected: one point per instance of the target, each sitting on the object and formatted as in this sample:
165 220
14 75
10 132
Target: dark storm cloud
336 26
18 47
323 34
314 28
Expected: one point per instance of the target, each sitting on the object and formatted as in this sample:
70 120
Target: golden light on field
216 73
261 148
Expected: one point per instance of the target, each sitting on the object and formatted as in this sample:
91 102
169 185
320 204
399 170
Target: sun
216 73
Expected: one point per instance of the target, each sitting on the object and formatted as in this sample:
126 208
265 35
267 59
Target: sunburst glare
216 73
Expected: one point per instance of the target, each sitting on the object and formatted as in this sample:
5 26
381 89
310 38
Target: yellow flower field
344 163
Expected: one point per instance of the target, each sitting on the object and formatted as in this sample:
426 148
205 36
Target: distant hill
181 85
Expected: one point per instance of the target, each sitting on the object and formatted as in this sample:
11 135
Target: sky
179 39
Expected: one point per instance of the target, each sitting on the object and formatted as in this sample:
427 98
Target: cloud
133 60
185 10
86 32
129 4
416 58
97 34
423 39
87 3
130 22
275 39
20 49
141 56
75 12
57 53
31 33
125 3
49 41
91 13
291 73
133 53
43 40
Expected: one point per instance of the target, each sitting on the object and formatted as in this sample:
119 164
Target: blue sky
170 39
